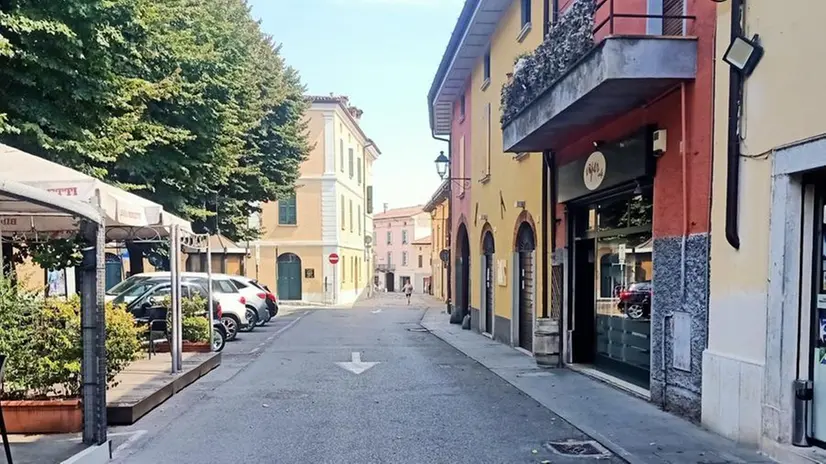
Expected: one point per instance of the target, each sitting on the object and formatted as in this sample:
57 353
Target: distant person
408 290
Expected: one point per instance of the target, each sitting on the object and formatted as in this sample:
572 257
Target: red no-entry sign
333 258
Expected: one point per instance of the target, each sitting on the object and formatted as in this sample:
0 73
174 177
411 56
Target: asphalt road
281 397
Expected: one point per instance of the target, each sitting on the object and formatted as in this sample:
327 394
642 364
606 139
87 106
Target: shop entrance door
525 249
488 249
613 268
817 364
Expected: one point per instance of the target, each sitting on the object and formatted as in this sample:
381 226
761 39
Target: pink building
402 248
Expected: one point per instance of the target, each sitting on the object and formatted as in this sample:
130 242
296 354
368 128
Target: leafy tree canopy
185 102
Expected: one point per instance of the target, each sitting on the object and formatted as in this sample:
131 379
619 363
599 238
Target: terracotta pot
189 347
43 416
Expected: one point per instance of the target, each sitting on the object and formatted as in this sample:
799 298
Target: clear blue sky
383 54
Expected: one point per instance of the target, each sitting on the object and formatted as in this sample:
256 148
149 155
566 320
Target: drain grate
417 329
588 448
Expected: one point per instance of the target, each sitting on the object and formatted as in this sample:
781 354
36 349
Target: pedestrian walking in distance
408 290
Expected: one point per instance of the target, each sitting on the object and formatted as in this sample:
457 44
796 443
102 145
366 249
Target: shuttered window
671 25
287 211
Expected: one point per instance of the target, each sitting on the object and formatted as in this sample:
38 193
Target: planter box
189 347
46 416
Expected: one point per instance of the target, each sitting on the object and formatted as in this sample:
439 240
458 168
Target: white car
255 295
236 316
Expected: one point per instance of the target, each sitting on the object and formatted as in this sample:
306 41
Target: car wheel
218 340
252 320
635 311
231 323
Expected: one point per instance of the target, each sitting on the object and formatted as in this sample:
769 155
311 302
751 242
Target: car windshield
126 284
136 290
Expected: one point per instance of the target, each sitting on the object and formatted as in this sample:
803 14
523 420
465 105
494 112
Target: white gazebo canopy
127 215
24 208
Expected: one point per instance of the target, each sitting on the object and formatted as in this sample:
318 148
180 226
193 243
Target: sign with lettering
613 165
594 172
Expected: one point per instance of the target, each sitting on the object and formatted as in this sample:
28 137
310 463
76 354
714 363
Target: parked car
236 316
149 308
257 297
635 301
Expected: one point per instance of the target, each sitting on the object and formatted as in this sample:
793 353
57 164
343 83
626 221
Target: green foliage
43 341
195 326
187 103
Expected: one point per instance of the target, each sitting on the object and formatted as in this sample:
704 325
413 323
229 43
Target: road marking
376 311
136 435
356 366
277 333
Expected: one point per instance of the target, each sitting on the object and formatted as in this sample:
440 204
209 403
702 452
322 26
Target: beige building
403 249
330 214
767 303
438 208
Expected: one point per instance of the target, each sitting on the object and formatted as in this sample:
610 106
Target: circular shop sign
594 172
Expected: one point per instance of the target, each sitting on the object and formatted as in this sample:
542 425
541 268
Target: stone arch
487 243
525 219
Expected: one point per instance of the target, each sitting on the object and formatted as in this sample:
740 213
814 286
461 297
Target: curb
98 454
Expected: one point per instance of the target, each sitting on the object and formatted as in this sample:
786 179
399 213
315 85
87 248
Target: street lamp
441 165
443 168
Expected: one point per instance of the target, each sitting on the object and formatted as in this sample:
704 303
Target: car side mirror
154 301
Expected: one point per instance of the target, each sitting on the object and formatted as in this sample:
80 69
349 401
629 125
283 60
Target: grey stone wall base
502 330
679 390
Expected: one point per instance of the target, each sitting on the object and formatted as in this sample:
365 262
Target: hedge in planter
42 339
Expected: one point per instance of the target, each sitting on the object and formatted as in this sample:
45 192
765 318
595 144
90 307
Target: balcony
598 62
381 267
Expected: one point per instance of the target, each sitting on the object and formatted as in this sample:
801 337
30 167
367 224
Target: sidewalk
632 428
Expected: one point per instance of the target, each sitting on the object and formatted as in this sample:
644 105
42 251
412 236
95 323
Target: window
341 154
462 107
487 67
238 284
359 215
343 269
369 199
287 211
404 258
404 237
389 237
351 215
353 273
420 260
350 162
389 258
486 116
526 12
358 170
343 218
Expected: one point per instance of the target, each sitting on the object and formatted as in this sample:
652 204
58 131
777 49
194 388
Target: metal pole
209 286
173 343
178 309
2 264
100 340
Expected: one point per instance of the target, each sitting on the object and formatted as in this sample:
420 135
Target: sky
383 54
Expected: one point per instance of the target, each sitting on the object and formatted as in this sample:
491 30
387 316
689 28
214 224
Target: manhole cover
578 448
417 329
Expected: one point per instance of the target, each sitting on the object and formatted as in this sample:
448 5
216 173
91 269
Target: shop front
608 197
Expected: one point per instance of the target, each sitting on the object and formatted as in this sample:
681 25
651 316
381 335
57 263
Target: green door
289 277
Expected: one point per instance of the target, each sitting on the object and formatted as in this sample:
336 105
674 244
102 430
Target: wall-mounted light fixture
743 54
443 168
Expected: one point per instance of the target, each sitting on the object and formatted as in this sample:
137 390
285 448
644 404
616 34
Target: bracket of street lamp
462 182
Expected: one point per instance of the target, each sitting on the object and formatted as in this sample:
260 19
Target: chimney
385 207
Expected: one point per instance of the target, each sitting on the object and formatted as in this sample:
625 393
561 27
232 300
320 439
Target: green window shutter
287 213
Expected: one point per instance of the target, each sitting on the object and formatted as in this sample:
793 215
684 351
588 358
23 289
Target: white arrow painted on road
376 311
356 366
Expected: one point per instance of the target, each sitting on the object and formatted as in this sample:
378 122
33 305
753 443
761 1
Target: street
361 385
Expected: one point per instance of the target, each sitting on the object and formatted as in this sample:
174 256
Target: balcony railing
581 28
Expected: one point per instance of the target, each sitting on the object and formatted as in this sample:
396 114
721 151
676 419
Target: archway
462 307
525 247
488 250
289 277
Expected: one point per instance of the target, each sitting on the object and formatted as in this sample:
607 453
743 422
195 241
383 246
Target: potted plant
195 328
42 340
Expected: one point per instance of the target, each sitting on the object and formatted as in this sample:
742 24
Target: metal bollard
803 393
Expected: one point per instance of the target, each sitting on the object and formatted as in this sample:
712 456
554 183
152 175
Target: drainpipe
449 235
545 166
735 102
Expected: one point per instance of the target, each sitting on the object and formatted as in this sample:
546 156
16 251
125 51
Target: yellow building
438 209
767 302
330 214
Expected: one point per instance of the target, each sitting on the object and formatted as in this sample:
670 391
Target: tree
184 102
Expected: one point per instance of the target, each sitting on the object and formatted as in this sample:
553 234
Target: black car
635 301
149 309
